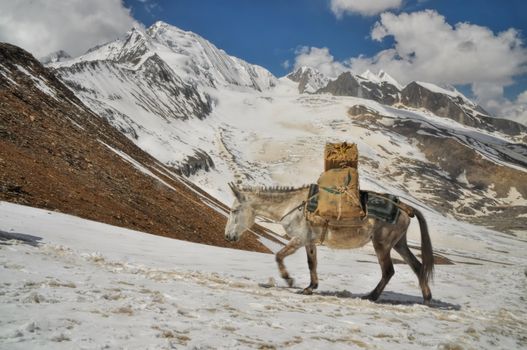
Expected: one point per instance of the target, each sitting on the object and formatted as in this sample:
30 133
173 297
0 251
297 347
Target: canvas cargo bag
338 195
340 155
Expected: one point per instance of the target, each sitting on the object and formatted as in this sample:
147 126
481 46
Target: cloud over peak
321 59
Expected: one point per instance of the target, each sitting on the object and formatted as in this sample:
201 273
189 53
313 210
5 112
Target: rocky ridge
446 103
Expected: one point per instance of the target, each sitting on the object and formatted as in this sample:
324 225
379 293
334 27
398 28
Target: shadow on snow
5 237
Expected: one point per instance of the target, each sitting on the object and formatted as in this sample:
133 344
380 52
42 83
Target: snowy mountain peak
381 77
135 34
195 58
192 58
370 76
159 24
309 79
151 31
162 27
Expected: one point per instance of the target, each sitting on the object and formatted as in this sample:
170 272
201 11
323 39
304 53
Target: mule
283 205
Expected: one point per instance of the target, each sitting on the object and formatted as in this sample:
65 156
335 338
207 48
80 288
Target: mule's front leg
311 250
289 249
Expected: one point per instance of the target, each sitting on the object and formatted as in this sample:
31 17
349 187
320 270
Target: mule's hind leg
289 249
311 250
383 255
402 248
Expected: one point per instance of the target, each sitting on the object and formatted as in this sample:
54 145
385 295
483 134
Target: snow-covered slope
71 283
434 147
276 138
200 59
147 83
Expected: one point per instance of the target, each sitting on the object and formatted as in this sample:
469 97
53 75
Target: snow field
68 283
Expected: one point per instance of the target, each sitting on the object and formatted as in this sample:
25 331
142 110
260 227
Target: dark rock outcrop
344 85
456 108
347 84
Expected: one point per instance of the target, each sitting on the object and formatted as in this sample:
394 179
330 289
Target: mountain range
211 118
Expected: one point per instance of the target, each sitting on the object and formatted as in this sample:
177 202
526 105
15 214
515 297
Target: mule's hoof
290 282
427 302
370 297
307 291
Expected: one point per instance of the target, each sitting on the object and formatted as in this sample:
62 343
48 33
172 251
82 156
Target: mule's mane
271 189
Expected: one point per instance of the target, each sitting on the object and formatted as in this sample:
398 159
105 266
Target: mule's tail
427 255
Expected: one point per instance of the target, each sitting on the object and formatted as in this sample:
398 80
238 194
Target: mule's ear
235 190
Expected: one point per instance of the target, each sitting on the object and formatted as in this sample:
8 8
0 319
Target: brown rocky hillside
56 154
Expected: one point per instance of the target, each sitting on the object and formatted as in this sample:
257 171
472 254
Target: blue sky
268 32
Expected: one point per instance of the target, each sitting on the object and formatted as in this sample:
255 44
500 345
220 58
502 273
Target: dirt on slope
56 154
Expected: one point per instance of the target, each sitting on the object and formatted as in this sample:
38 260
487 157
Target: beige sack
338 196
340 155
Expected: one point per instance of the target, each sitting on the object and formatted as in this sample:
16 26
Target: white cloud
321 59
504 108
363 7
74 25
427 48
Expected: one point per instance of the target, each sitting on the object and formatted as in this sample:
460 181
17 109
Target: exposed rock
361 110
456 108
344 85
458 180
348 84
192 164
384 93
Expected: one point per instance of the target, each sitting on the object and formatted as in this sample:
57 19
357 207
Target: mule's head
241 217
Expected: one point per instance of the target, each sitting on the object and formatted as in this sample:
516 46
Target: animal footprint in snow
271 283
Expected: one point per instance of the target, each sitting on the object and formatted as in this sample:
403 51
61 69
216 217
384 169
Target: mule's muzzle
232 238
